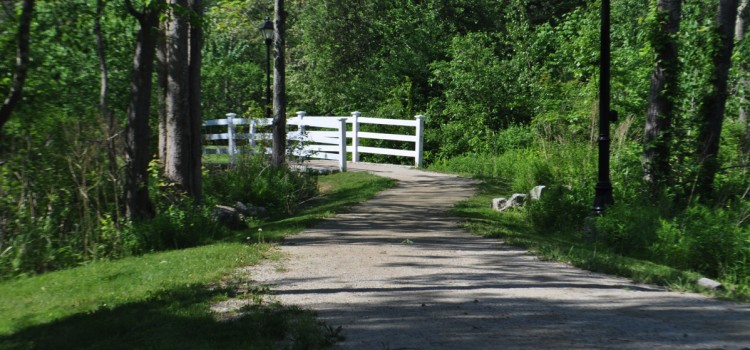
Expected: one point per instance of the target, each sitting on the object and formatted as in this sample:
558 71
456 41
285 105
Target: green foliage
234 60
254 181
515 229
176 226
656 227
162 299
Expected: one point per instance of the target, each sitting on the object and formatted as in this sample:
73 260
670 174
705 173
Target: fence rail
332 142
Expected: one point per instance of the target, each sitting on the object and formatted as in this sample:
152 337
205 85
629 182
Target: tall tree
110 125
138 205
279 85
740 28
714 103
182 162
161 82
194 89
662 93
22 63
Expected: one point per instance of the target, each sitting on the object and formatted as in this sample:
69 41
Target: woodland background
509 90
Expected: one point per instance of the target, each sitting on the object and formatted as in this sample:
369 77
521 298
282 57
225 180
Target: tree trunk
739 34
662 93
177 160
107 116
138 205
714 104
22 63
161 81
196 115
279 85
182 163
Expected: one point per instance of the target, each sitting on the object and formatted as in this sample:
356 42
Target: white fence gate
321 137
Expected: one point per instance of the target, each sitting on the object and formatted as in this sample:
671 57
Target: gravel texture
397 272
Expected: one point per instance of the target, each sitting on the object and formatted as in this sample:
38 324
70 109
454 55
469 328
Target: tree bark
279 85
138 205
161 81
182 162
176 161
740 28
22 63
196 113
662 93
714 104
107 115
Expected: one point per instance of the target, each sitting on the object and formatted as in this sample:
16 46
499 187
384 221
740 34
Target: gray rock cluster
234 216
517 199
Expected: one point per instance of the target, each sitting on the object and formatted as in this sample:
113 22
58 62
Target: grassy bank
161 300
646 240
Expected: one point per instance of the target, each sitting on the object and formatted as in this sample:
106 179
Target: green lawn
161 300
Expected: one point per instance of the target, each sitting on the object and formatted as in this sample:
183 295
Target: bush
254 181
630 228
708 240
560 210
176 226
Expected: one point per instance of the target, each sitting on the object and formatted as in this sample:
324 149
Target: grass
515 229
338 192
161 300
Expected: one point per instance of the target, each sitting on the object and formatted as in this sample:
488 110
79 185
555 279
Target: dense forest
509 90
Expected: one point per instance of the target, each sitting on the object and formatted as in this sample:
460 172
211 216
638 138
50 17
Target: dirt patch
398 272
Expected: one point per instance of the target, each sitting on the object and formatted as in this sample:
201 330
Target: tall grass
51 220
664 227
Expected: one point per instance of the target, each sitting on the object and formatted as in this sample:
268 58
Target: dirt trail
397 272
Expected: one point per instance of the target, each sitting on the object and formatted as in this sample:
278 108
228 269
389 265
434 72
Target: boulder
536 192
498 203
709 284
252 210
503 204
517 199
229 217
234 216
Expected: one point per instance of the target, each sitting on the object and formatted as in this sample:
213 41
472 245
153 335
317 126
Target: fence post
355 137
342 144
252 135
301 115
419 147
230 132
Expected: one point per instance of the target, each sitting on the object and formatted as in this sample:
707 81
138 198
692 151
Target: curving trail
450 290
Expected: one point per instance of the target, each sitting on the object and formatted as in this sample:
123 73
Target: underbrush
66 220
644 228
162 299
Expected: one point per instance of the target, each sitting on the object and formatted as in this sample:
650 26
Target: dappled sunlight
399 272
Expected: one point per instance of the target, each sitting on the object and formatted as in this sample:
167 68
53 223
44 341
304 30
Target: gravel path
397 272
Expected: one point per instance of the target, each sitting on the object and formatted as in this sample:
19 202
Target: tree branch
131 10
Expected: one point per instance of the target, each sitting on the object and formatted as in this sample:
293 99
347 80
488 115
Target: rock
517 199
252 210
498 203
229 217
503 204
536 192
709 284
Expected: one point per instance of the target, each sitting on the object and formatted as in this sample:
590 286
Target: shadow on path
397 272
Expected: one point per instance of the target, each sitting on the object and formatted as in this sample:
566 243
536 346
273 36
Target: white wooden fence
320 137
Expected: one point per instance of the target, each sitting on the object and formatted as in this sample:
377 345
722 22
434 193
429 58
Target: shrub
254 181
629 228
561 210
177 225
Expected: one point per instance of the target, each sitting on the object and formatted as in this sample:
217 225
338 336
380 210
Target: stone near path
398 272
